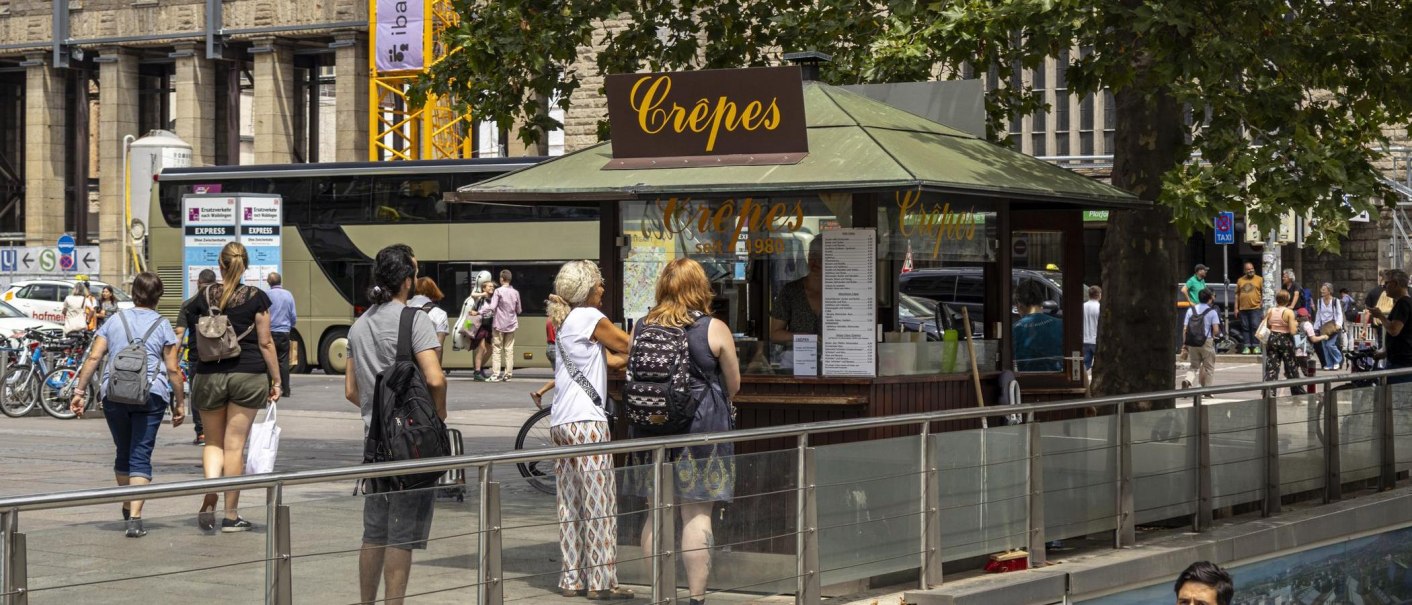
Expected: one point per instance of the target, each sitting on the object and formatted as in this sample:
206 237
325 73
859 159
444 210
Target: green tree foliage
1282 103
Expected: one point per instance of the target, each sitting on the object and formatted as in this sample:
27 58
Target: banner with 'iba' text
399 34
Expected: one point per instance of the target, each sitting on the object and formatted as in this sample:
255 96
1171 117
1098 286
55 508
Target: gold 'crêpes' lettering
939 222
680 216
649 99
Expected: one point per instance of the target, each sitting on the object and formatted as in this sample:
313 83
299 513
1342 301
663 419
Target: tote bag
264 445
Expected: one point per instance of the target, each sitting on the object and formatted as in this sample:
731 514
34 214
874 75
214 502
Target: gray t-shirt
372 344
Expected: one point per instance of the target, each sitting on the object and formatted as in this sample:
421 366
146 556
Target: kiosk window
1037 329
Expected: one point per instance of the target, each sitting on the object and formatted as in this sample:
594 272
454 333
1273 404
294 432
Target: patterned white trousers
588 529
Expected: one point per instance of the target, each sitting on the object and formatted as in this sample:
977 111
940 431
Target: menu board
850 311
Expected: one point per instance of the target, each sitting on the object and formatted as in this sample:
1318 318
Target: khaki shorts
214 391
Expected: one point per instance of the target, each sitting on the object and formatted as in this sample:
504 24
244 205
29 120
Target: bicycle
534 434
57 389
16 400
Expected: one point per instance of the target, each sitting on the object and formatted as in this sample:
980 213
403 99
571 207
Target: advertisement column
208 224
260 219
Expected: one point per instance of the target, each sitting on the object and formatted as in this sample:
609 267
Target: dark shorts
213 391
399 519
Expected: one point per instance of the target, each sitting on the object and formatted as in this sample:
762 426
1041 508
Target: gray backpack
129 382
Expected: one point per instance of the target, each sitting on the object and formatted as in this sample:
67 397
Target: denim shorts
399 519
134 430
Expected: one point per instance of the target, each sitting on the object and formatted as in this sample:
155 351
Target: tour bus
338 215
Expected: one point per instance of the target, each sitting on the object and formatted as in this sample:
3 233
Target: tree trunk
1137 325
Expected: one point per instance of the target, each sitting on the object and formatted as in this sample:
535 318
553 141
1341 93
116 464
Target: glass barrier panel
984 503
1164 458
336 537
1080 474
869 504
1357 433
1402 425
81 555
1237 435
1300 444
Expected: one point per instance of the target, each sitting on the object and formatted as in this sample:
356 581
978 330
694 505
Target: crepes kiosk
846 240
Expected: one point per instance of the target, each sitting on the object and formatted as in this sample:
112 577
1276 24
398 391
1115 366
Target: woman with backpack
135 398
704 474
1328 320
428 298
1279 347
588 345
239 373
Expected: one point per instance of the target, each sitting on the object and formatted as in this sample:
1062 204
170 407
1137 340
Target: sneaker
1258 351
1245 351
478 377
238 525
495 378
199 440
135 529
507 377
1186 384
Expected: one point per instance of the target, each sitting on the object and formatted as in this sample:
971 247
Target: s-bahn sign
711 117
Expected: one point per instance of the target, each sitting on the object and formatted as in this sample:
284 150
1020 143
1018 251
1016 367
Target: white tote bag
263 445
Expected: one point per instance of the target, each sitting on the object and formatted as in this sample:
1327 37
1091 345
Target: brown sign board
710 117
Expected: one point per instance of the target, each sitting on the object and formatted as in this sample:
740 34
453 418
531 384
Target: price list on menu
850 312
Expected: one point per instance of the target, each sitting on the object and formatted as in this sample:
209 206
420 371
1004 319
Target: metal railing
1089 460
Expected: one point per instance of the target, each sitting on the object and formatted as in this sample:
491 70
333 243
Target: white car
14 321
43 299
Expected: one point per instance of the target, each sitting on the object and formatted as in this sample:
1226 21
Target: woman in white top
78 308
588 344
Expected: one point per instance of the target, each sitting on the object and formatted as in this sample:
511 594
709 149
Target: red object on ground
1015 560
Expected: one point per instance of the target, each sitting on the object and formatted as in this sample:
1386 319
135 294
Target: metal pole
1126 532
1204 514
807 589
1387 448
1271 504
1035 481
16 576
664 527
284 564
491 591
931 511
1226 291
7 531
273 496
1333 483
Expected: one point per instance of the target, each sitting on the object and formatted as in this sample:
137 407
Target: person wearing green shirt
1195 285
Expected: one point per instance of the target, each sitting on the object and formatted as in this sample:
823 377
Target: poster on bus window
210 221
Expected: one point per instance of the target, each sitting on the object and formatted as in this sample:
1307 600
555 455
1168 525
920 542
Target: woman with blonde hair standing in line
705 474
588 344
232 390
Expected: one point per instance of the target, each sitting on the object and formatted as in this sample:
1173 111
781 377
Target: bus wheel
333 354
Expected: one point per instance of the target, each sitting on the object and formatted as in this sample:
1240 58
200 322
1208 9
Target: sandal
611 594
538 399
206 518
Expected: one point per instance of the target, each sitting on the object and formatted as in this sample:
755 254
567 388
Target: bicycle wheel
17 394
535 435
56 391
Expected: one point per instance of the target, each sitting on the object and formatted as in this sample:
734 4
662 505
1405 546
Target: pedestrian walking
476 328
107 305
589 344
237 376
1250 292
1199 332
428 299
1091 309
78 309
1195 284
505 304
185 336
134 426
1328 320
704 475
1399 338
282 320
1203 583
1279 348
395 523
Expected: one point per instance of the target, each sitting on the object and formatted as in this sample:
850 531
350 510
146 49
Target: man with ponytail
394 523
232 390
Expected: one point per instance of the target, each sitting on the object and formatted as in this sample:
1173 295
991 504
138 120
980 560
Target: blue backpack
1306 300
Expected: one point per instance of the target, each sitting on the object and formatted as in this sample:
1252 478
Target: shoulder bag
578 377
1262 333
1330 328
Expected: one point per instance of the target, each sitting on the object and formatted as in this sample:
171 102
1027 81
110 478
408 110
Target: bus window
398 199
295 196
341 200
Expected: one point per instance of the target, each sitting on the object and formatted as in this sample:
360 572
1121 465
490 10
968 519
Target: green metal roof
855 144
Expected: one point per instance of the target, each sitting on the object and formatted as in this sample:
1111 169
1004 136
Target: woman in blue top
134 427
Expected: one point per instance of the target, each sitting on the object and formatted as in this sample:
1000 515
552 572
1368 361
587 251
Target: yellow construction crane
403 42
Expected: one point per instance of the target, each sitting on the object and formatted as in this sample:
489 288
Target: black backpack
1196 328
657 397
404 425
